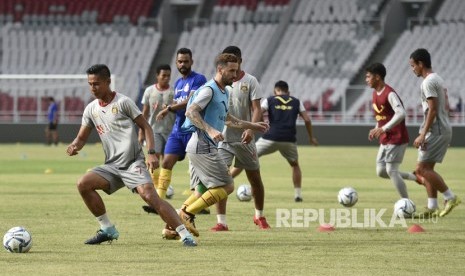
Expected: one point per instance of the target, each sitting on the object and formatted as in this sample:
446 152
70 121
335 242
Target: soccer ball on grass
244 192
347 196
404 207
17 240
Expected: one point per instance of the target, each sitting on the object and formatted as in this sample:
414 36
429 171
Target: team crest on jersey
244 87
94 115
114 109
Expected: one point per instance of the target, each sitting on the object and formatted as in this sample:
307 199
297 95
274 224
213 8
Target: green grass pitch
49 206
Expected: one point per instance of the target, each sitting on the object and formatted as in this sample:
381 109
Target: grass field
49 206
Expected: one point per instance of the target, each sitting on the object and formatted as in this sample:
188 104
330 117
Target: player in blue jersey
208 112
283 110
175 148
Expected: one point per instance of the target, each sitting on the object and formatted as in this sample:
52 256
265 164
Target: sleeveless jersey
383 113
282 115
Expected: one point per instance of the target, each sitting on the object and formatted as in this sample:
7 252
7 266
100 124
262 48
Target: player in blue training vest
283 110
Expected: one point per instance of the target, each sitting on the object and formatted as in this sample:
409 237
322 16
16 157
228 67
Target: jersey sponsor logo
380 118
283 107
186 88
100 129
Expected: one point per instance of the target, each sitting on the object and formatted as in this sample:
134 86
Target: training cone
415 229
325 227
48 171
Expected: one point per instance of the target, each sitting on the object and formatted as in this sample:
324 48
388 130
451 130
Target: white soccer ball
17 240
244 192
170 192
347 196
404 207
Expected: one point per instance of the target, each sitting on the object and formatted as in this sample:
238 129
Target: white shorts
136 175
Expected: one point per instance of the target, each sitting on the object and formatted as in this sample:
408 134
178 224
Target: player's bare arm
248 134
232 121
432 113
193 113
146 114
79 142
308 126
151 159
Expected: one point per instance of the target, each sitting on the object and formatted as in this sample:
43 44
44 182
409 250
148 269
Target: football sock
258 213
210 197
448 194
221 219
297 192
191 199
104 221
155 174
182 231
432 203
396 179
163 182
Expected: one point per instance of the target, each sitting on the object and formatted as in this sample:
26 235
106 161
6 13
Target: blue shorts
176 144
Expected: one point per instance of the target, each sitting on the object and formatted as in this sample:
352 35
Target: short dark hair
377 69
223 59
100 70
282 85
184 51
421 55
163 67
233 50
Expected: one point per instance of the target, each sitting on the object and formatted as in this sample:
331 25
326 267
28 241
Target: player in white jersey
115 117
238 144
435 134
156 98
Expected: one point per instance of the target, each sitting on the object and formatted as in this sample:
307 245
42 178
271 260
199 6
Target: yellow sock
155 175
163 182
210 197
191 199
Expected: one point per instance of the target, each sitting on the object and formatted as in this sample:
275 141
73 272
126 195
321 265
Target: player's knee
381 172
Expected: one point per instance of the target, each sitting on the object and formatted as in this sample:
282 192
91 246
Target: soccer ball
404 207
347 196
17 240
170 192
244 192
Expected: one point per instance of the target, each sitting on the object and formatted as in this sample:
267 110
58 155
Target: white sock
448 195
221 219
104 221
297 192
182 231
258 213
432 203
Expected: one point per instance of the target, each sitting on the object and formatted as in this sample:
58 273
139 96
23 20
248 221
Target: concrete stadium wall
326 134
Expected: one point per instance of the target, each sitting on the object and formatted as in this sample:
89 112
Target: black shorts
52 126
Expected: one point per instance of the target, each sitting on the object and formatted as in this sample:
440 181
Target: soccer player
175 149
207 113
156 98
115 117
239 144
435 134
390 129
51 133
283 110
